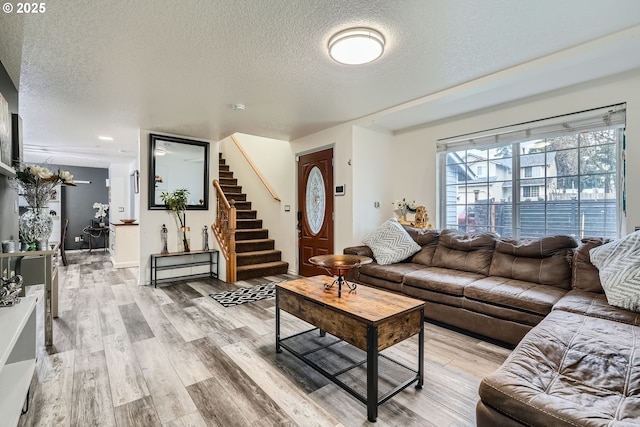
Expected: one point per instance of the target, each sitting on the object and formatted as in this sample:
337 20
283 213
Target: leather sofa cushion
423 236
535 248
465 252
585 275
546 261
513 293
500 312
570 370
380 283
425 256
442 280
595 305
391 272
432 296
359 250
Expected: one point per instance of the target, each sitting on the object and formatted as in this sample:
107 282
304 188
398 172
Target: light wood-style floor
131 355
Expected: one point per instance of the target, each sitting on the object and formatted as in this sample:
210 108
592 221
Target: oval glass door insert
315 200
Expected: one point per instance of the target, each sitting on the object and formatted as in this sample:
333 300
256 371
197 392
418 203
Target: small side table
339 265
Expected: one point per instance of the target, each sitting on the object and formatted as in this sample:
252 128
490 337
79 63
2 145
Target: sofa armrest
358 250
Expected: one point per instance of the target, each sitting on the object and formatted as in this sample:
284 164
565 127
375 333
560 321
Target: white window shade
611 117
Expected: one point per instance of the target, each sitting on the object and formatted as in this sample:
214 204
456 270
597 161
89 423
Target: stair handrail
224 229
255 169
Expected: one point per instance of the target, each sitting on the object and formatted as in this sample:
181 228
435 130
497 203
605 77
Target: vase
163 239
184 239
35 227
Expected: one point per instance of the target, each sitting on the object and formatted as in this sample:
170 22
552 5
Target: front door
315 204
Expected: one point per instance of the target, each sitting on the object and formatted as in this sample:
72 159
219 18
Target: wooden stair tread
263 265
257 253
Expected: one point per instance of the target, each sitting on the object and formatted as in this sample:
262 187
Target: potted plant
177 202
101 212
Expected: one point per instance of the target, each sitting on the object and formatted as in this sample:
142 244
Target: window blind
610 117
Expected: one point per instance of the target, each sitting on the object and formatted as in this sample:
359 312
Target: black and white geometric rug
243 295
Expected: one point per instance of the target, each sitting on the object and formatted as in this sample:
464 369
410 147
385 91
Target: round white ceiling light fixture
356 46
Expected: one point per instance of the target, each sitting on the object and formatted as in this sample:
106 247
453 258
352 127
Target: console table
50 280
170 261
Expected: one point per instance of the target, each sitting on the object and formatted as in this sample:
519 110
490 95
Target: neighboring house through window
568 180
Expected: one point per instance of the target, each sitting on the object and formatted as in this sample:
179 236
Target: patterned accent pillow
618 263
390 243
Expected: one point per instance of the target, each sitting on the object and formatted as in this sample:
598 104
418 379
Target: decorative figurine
205 236
163 238
422 219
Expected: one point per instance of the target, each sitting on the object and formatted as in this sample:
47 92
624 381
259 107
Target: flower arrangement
177 202
402 207
101 211
36 183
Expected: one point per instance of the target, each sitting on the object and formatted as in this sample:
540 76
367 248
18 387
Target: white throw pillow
390 243
618 263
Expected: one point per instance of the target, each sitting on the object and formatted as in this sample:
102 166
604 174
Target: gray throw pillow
618 264
390 243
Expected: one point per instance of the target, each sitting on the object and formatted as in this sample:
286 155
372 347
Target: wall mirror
176 163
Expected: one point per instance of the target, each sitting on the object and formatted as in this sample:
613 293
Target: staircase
256 256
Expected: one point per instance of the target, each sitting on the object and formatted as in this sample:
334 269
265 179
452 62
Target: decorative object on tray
128 220
422 218
10 290
339 266
36 184
205 238
244 295
101 212
401 207
177 202
163 239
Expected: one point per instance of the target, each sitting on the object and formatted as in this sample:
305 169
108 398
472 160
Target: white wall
275 161
151 220
415 150
374 173
118 192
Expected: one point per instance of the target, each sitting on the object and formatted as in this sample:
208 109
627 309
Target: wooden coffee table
369 319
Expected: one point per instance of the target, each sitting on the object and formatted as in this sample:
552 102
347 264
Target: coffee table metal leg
421 351
278 349
372 373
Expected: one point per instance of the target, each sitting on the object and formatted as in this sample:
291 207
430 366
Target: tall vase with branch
177 202
37 185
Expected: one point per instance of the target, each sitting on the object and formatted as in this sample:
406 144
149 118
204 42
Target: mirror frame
153 138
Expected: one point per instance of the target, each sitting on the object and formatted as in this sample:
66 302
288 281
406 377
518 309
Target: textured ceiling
88 68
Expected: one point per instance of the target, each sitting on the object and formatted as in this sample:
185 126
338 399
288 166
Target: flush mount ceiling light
356 46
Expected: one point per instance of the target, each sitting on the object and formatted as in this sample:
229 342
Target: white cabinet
124 245
17 357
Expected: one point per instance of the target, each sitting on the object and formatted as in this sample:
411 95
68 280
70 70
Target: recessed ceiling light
105 138
356 46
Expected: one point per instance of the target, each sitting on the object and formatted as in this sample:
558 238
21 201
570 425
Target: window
570 170
530 191
528 171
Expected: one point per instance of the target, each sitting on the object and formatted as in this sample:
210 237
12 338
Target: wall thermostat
340 190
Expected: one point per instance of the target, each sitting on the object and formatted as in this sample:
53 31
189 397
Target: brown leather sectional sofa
577 360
